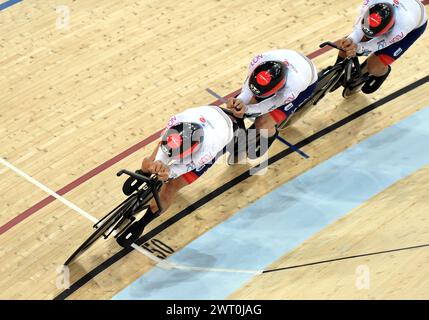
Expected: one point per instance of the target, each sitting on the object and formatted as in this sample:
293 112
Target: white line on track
48 191
159 262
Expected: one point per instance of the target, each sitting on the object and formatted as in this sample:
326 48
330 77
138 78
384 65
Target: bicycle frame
350 68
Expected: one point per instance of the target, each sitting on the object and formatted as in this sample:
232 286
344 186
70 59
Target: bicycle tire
116 213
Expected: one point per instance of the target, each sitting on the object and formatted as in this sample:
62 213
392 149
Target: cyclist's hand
340 43
237 106
350 47
161 169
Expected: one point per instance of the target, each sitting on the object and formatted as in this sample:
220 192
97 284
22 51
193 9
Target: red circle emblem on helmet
374 20
174 140
263 78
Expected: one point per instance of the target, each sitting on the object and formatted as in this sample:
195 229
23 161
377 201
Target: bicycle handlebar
135 176
330 44
333 45
151 181
239 121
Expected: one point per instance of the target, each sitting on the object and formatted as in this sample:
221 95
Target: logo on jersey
205 122
397 38
397 52
382 44
288 107
289 99
172 122
190 166
204 160
256 60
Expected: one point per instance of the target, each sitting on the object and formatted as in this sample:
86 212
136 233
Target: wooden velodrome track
75 99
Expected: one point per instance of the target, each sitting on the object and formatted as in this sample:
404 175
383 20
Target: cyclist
277 84
189 146
384 31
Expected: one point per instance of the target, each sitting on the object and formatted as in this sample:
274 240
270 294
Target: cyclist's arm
246 95
287 97
357 35
155 151
263 107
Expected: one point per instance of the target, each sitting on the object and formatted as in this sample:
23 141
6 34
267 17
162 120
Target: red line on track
74 184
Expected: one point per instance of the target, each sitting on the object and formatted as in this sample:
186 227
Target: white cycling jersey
218 132
301 73
409 15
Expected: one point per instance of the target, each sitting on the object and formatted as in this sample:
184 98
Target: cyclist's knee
376 66
168 193
266 122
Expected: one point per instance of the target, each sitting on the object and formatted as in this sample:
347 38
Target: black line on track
119 255
345 258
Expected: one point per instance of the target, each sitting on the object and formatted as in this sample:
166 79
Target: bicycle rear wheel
103 225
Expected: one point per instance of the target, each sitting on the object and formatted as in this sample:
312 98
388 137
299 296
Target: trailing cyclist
277 84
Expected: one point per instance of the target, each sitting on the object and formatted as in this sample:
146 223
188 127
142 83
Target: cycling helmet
378 20
182 140
268 78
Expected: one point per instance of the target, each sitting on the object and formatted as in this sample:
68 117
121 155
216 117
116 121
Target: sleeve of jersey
357 33
246 95
161 156
266 106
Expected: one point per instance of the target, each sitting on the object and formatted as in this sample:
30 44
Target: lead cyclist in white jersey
189 146
384 31
277 84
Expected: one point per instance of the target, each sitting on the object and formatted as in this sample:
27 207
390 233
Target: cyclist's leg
379 63
272 120
170 189
167 194
266 129
285 112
